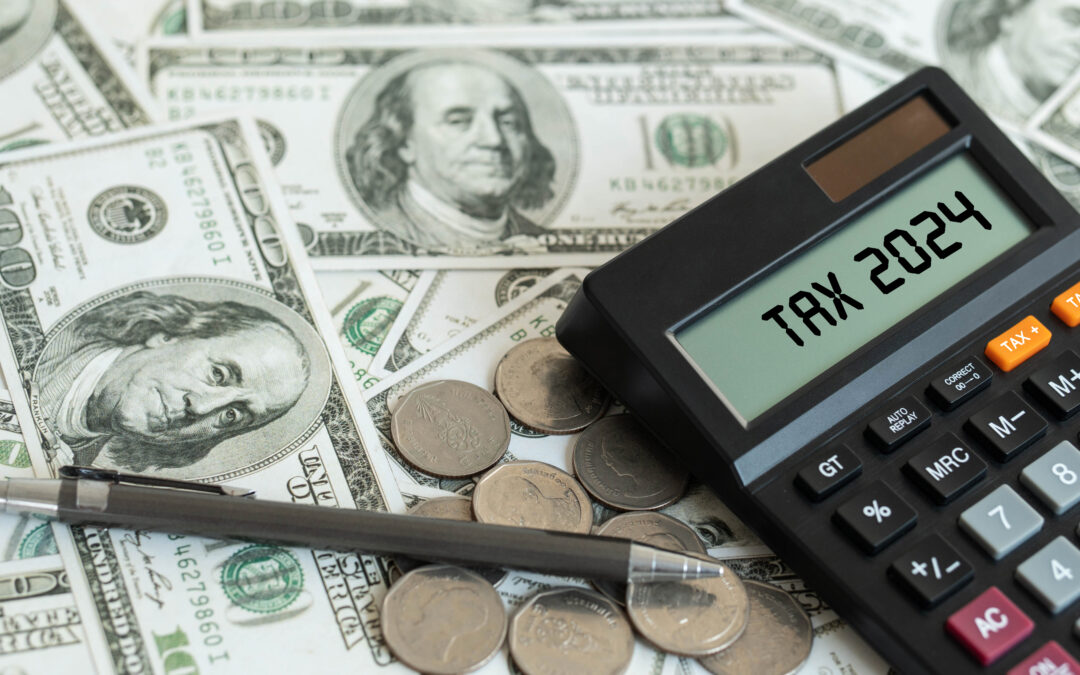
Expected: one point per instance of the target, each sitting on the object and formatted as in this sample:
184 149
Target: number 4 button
1053 574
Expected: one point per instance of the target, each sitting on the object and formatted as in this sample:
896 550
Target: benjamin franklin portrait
1010 55
157 380
444 153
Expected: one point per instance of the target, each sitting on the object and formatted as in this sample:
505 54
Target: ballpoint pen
108 498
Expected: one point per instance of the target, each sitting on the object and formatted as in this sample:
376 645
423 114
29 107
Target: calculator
870 349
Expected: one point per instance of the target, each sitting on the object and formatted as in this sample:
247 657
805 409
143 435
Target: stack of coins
445 619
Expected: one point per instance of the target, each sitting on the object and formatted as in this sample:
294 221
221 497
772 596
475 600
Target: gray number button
1055 477
1001 521
1053 574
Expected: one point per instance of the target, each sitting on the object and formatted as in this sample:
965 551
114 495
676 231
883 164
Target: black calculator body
929 494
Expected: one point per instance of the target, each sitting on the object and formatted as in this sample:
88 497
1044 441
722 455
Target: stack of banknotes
234 233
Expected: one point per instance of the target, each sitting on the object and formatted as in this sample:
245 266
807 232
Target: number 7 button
1001 521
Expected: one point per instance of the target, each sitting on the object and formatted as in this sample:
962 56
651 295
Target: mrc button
961 380
946 468
897 423
1058 384
828 471
1006 426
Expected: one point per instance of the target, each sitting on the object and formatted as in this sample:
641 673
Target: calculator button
898 423
959 382
932 571
1007 426
1018 344
1055 477
876 517
1058 385
1001 521
1067 306
946 468
828 471
1050 659
989 626
1053 574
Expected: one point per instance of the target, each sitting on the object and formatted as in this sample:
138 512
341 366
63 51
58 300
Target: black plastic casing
619 325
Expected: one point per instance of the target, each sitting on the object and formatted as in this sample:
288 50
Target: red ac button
989 626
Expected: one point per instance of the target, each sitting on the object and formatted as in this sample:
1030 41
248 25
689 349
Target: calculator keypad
932 571
1050 659
989 626
1006 426
1053 574
1058 385
1055 477
946 468
1025 520
897 423
875 517
828 471
956 384
1001 521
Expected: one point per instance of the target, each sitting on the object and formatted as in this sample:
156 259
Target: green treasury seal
366 324
127 214
37 542
262 579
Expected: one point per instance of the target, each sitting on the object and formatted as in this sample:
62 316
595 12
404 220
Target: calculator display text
783 331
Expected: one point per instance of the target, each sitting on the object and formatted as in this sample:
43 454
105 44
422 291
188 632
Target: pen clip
109 476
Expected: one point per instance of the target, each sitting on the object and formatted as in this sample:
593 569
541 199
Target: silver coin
450 428
623 466
655 529
777 639
443 619
546 389
532 494
448 508
570 630
696 617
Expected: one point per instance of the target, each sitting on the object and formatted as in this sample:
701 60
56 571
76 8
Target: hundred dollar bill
1009 56
444 303
59 77
158 603
266 15
21 536
41 629
364 305
552 151
127 23
161 317
1056 124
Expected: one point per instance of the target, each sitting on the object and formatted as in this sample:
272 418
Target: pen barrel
318 527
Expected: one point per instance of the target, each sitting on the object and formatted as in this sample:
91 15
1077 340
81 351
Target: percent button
876 517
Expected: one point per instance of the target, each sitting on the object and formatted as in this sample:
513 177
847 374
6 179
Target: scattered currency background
280 157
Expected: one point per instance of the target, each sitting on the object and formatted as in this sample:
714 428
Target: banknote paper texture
1009 56
127 23
41 629
236 15
443 304
364 306
59 77
544 153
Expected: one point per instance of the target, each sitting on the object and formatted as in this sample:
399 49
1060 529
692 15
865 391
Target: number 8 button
1055 477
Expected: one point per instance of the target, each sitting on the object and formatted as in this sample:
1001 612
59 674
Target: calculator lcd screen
785 330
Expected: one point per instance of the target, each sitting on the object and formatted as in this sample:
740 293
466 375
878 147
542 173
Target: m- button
1018 344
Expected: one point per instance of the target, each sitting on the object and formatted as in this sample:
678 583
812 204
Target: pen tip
653 564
